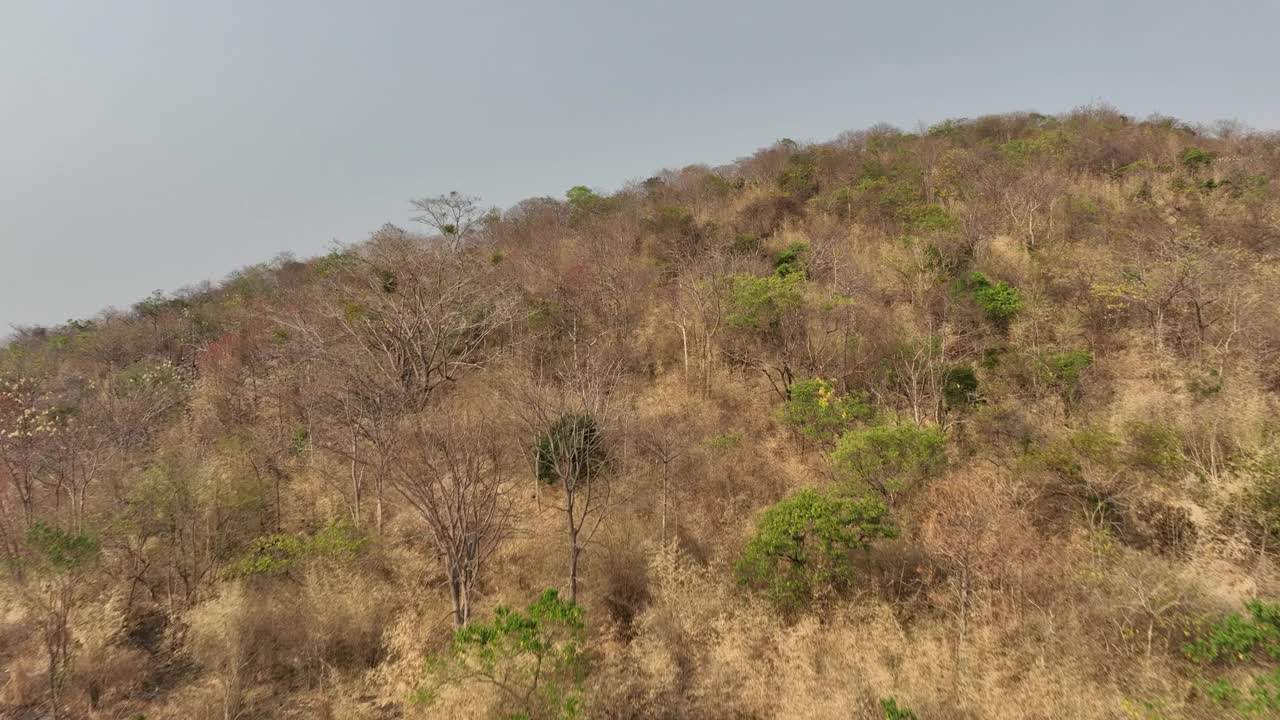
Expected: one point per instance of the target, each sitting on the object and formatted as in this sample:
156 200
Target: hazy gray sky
149 145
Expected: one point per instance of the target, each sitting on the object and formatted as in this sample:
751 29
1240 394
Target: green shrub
1236 638
1195 158
1000 301
803 543
960 386
893 711
946 128
790 260
533 658
584 203
720 186
799 177
1152 445
890 459
1239 640
270 555
279 553
725 441
1258 506
744 244
1065 370
817 412
61 550
927 218
1067 453
885 199
762 302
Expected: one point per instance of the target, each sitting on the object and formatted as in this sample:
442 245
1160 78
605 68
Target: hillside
973 422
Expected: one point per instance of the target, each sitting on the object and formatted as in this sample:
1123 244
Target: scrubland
976 421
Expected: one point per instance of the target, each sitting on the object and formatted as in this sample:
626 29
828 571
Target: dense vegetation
973 422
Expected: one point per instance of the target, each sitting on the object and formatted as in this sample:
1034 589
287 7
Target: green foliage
1065 370
1044 143
884 198
386 280
890 459
803 543
1152 445
269 555
673 221
279 553
332 264
799 177
791 259
1259 503
960 386
761 303
725 441
1000 301
893 711
1239 640
299 441
1068 453
534 658
721 186
61 550
817 412
146 374
336 541
946 128
1195 158
927 218
584 203
1236 638
571 450
542 312
744 244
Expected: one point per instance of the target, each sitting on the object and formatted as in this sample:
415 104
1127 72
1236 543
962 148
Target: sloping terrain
973 422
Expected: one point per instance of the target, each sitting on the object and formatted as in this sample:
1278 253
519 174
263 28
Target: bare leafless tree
450 469
666 441
453 216
399 319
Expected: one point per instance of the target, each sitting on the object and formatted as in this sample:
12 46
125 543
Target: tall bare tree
453 215
398 319
451 471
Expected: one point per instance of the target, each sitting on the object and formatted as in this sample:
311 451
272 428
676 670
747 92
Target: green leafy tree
799 177
804 543
584 203
817 412
762 302
534 659
890 459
